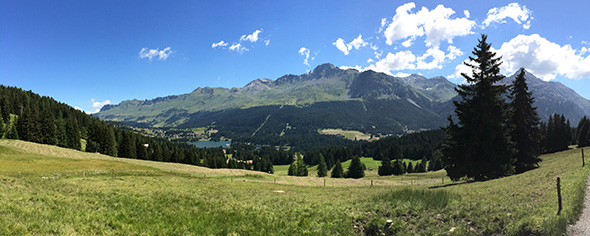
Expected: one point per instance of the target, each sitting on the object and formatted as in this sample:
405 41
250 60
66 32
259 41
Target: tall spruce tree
355 170
322 167
386 168
526 134
479 145
337 171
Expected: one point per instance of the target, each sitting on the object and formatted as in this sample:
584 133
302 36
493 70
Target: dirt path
582 227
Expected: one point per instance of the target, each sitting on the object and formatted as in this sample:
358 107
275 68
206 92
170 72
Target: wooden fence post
113 172
84 174
19 174
324 182
582 157
558 196
371 183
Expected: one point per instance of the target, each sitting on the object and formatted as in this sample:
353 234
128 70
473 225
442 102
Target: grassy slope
165 198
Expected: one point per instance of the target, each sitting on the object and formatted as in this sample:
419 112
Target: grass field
51 196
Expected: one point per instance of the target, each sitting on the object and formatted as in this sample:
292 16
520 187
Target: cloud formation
162 55
544 58
436 25
304 52
541 57
219 44
238 48
520 15
96 106
345 48
433 58
244 39
251 37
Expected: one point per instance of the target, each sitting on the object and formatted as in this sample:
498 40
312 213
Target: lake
211 144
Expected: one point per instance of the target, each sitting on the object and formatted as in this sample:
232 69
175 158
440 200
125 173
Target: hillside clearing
166 198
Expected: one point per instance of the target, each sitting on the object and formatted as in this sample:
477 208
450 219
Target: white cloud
541 57
383 23
544 58
341 45
151 53
395 61
406 60
238 48
266 42
436 25
520 15
305 52
401 74
356 43
96 106
370 60
466 13
219 44
251 37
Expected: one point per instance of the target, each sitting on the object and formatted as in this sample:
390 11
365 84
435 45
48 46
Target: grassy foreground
149 198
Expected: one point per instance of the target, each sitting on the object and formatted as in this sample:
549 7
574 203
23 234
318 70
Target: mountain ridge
328 86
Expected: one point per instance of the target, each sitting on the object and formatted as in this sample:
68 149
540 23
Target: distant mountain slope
326 83
326 97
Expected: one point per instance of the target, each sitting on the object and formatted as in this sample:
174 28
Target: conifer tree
386 168
73 134
526 134
355 170
2 129
398 167
583 132
47 129
5 109
410 168
301 167
292 169
12 133
60 133
337 171
479 146
322 168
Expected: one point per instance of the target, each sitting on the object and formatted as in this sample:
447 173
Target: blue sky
90 53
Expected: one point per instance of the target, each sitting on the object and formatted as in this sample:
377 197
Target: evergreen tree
301 167
479 146
557 135
73 134
583 132
60 133
2 127
5 109
355 170
337 171
127 145
322 168
398 167
12 133
410 168
386 168
48 130
292 169
526 134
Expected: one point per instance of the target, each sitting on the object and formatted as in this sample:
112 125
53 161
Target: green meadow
51 190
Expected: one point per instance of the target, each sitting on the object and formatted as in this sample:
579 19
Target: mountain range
326 97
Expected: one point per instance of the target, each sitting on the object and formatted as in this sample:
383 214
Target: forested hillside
40 119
